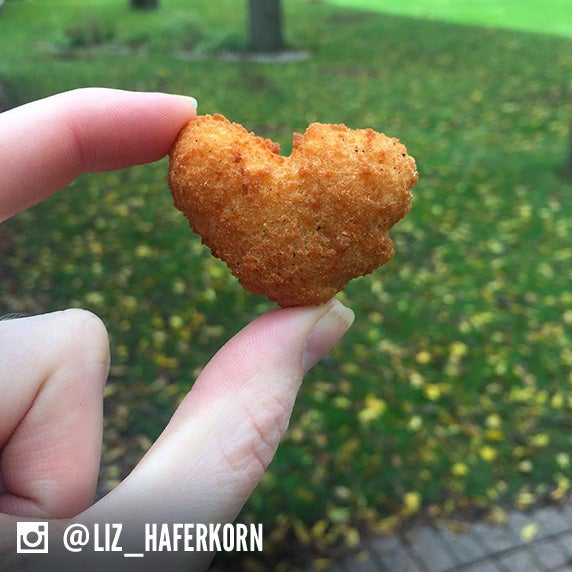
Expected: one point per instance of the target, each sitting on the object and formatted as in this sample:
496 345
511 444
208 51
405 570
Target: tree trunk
265 19
144 4
569 163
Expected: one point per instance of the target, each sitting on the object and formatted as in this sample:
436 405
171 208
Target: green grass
549 16
452 393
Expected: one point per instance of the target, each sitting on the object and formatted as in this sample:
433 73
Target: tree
144 4
265 22
569 165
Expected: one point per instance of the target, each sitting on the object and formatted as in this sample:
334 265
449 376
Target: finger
51 391
46 144
226 431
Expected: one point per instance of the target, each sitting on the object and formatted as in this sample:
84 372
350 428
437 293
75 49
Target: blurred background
451 396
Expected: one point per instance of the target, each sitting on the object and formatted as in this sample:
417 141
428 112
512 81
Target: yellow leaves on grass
539 440
373 409
423 357
488 453
493 431
412 502
477 321
415 422
416 379
562 488
143 251
563 460
460 469
434 391
525 466
326 532
525 498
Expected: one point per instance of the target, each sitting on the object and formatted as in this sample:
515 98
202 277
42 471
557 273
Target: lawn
549 17
452 393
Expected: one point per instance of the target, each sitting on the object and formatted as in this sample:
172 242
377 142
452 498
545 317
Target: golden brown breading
295 229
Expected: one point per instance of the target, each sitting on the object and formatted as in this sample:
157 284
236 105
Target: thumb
225 432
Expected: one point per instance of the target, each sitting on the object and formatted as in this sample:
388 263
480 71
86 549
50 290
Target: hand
53 367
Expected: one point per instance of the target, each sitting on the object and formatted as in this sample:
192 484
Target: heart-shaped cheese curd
295 229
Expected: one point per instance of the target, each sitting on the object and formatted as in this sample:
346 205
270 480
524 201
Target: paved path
539 541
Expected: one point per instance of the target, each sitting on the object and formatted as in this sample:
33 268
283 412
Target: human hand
53 367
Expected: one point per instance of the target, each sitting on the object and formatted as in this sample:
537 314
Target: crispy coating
295 229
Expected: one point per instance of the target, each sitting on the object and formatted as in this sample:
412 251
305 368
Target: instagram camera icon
32 537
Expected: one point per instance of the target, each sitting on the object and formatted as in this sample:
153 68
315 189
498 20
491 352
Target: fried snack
295 229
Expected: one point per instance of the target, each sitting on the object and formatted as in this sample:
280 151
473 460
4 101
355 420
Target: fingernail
192 101
326 333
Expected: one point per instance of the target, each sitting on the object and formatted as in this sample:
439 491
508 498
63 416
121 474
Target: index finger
46 144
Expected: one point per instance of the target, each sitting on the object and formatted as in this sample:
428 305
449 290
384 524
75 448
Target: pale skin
53 367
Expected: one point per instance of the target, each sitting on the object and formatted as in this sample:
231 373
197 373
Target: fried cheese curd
296 229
